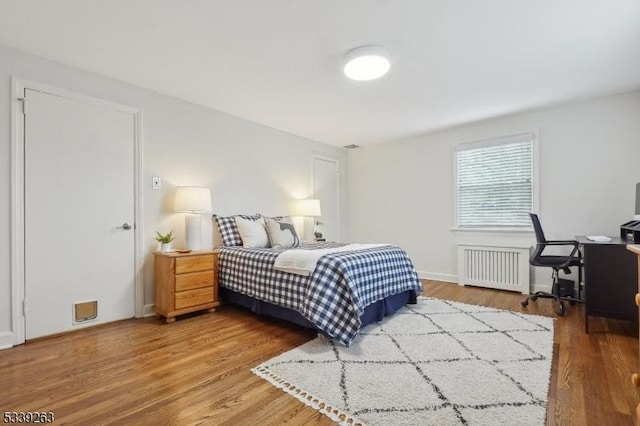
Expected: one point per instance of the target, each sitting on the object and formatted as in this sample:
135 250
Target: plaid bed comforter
334 296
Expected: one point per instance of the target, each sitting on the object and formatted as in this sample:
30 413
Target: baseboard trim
147 310
6 340
451 278
434 276
540 287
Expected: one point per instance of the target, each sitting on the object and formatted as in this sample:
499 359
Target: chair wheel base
560 308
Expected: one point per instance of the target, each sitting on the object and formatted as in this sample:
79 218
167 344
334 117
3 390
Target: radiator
504 268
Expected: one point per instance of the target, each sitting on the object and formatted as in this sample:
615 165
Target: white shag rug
433 363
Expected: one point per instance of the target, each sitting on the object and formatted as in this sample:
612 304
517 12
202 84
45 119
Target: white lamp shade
193 199
309 208
366 63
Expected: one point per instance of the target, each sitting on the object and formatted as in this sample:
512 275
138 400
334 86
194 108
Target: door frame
313 184
17 160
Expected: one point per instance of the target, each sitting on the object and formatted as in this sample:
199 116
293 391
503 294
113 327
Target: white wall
402 192
249 167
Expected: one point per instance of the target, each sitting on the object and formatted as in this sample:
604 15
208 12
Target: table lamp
194 201
308 209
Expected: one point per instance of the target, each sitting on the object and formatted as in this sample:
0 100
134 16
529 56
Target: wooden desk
635 378
610 280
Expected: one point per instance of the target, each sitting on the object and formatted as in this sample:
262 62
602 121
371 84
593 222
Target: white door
78 193
325 188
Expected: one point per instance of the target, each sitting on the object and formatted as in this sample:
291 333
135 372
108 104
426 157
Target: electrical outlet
156 182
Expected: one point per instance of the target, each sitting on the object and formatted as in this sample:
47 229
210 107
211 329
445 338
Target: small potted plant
165 241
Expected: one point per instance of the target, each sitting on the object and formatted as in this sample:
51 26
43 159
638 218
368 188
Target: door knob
124 226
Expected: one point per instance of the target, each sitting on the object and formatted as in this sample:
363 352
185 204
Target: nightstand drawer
194 263
185 299
194 280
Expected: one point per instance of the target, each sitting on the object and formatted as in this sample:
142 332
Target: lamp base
308 229
193 227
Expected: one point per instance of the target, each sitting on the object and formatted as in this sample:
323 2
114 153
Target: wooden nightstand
185 282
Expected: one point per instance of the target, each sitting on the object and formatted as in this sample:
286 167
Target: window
494 183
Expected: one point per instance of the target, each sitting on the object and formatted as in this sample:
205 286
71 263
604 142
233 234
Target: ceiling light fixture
366 63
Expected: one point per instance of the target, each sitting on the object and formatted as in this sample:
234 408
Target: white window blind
494 181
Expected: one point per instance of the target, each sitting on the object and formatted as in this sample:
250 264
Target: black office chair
557 263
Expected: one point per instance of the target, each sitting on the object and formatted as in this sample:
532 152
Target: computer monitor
637 214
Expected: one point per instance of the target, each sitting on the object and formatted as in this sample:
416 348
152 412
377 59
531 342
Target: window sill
494 237
518 231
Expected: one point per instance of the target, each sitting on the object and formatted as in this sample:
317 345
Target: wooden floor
196 371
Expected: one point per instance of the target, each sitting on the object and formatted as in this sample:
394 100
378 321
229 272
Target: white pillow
282 233
252 232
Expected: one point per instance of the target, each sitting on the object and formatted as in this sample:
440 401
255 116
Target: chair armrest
563 243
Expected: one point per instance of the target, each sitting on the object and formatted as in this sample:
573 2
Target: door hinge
25 307
24 105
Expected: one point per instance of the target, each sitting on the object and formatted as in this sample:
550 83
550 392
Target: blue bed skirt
374 312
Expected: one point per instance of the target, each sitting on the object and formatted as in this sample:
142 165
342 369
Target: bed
345 291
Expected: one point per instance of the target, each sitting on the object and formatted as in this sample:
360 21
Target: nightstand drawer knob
637 299
635 379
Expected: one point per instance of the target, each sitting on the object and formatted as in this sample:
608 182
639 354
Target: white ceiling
279 62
